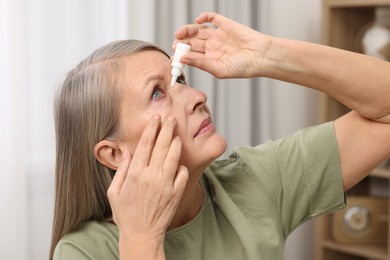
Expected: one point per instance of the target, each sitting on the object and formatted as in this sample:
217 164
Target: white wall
301 20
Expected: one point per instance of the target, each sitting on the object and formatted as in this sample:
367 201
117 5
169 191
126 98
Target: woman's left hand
147 188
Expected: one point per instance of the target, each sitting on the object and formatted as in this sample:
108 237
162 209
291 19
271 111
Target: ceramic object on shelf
374 38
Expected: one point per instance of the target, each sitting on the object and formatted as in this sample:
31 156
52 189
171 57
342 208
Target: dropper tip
173 81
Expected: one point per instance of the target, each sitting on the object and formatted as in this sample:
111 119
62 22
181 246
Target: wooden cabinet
343 21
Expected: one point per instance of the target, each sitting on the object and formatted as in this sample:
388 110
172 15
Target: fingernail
124 154
171 118
157 117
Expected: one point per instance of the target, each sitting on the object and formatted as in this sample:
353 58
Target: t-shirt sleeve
300 174
69 251
93 240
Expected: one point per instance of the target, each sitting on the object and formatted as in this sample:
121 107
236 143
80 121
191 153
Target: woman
118 118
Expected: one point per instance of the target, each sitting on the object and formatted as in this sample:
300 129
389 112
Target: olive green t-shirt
253 200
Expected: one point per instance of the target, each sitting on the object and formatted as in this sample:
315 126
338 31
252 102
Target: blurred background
41 39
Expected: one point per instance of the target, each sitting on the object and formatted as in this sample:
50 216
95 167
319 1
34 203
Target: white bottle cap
177 67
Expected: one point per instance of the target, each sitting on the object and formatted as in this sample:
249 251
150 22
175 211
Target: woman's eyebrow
153 77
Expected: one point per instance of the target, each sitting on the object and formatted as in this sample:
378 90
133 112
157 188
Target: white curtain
41 39
13 186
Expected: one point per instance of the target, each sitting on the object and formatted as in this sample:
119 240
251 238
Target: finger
187 31
194 31
210 17
120 175
196 45
163 143
172 159
146 143
181 180
198 60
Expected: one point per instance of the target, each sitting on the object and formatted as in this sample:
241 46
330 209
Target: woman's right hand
146 190
227 49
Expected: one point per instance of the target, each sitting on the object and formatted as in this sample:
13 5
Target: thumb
180 181
199 60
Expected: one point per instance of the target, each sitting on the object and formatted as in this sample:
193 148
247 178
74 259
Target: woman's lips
205 127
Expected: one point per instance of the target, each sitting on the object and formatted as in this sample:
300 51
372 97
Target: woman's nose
192 99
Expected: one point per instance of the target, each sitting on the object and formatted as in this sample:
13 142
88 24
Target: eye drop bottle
177 66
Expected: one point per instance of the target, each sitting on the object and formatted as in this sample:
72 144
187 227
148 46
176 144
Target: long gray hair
86 112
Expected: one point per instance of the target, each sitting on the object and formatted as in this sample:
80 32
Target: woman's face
147 91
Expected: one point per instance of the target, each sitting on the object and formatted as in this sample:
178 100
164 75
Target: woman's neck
190 204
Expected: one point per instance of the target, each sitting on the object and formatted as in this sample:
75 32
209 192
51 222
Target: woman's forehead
148 60
143 65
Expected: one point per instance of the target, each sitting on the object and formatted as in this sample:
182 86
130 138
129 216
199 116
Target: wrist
290 61
268 56
274 57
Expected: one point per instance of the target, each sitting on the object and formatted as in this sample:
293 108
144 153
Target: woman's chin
202 158
217 148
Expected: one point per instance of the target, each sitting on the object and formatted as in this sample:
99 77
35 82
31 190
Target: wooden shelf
355 3
369 251
381 173
343 21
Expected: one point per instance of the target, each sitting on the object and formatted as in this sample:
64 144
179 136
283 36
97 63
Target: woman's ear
108 154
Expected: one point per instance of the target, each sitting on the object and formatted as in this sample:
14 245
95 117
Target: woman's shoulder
94 230
93 240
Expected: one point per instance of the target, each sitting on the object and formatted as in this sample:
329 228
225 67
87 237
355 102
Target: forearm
363 144
141 248
359 81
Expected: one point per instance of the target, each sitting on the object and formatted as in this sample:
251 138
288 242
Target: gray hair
86 112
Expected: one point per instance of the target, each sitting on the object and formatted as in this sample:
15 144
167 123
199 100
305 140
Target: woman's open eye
181 79
157 93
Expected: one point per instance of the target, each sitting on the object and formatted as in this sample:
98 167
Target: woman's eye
157 93
181 79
